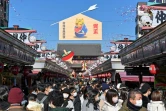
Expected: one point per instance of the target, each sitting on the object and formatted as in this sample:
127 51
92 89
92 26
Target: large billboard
80 27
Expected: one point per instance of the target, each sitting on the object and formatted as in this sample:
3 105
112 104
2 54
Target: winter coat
4 105
86 108
156 106
59 109
145 101
70 105
77 104
109 107
40 96
32 105
125 108
16 108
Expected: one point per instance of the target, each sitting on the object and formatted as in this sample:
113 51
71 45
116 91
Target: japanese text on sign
95 28
63 30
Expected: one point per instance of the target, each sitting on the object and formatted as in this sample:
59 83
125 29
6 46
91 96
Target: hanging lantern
26 71
153 69
84 65
109 75
1 67
15 70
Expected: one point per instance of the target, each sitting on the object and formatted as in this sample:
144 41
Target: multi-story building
4 13
149 15
158 1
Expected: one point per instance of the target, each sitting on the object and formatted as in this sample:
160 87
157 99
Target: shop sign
20 36
13 52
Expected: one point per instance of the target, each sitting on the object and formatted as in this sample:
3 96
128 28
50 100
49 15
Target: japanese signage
21 36
80 27
149 18
11 51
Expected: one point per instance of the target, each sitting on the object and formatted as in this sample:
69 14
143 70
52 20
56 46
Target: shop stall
16 57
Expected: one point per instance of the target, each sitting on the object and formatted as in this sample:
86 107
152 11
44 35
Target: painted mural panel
148 17
151 18
80 27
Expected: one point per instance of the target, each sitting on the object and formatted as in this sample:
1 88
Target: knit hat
66 90
15 95
144 87
105 86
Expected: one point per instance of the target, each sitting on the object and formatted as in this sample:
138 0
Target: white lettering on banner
21 36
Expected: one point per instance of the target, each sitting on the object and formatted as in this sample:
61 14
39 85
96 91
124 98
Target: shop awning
125 77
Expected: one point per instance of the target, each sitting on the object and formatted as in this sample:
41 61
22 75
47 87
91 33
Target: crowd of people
81 96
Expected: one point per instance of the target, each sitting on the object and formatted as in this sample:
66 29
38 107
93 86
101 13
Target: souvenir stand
103 71
16 57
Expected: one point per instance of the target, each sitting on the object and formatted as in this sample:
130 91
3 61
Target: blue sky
117 16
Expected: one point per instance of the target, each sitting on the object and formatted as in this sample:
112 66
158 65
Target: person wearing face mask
92 101
74 97
48 89
56 100
67 103
146 91
105 88
111 101
134 102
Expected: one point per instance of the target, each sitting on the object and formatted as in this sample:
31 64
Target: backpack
41 102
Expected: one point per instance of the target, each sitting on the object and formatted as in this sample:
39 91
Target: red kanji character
95 26
95 31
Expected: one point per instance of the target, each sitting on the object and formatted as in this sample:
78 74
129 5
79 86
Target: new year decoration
68 56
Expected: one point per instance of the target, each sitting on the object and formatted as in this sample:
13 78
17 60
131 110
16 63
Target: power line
54 20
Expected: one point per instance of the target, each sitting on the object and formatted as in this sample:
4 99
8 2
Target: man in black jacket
146 91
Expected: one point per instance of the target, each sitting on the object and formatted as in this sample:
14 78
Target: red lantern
153 69
26 72
1 67
109 75
15 70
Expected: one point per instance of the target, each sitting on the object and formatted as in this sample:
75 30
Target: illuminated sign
80 27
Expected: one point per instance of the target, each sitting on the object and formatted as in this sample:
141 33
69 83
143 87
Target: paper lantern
15 70
108 75
1 67
153 69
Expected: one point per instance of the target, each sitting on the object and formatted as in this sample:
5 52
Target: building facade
4 13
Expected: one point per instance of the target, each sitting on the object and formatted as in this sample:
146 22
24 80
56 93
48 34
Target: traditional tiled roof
80 49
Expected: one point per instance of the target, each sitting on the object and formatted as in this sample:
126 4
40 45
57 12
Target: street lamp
91 8
43 48
113 48
32 39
